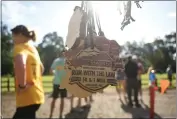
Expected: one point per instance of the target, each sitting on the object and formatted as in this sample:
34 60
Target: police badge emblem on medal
91 60
91 70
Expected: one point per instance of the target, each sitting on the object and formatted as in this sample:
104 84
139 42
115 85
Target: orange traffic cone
164 85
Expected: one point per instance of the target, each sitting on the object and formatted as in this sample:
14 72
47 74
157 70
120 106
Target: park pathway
105 105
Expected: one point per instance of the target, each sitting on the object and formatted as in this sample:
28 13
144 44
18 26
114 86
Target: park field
47 82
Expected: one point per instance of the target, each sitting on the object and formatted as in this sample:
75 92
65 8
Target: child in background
121 81
152 79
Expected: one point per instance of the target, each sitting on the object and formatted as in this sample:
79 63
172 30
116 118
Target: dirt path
104 105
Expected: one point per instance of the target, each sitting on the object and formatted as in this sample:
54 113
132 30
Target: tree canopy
159 53
6 51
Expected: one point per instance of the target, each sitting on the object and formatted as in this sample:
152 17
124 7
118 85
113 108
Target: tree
170 41
159 53
49 49
6 51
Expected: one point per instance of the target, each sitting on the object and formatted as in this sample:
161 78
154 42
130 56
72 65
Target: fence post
8 83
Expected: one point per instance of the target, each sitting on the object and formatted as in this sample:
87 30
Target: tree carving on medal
91 58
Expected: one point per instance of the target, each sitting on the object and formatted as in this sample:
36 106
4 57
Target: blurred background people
57 69
140 72
131 71
169 74
121 83
152 78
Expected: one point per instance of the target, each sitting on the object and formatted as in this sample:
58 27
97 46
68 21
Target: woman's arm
42 68
20 69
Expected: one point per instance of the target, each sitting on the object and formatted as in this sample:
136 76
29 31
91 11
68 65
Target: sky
155 19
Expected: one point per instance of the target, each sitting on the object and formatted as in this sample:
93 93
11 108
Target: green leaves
51 46
6 50
159 53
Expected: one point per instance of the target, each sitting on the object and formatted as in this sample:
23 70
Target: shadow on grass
81 115
138 113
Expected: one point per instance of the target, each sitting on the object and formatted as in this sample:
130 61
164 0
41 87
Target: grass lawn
48 82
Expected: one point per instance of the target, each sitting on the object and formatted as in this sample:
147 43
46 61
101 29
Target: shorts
57 91
120 76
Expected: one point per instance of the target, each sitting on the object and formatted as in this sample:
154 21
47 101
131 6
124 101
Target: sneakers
130 104
60 117
138 105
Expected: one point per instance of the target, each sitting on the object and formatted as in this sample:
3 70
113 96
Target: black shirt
131 69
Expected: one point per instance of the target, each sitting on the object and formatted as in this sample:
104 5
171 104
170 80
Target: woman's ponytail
32 35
